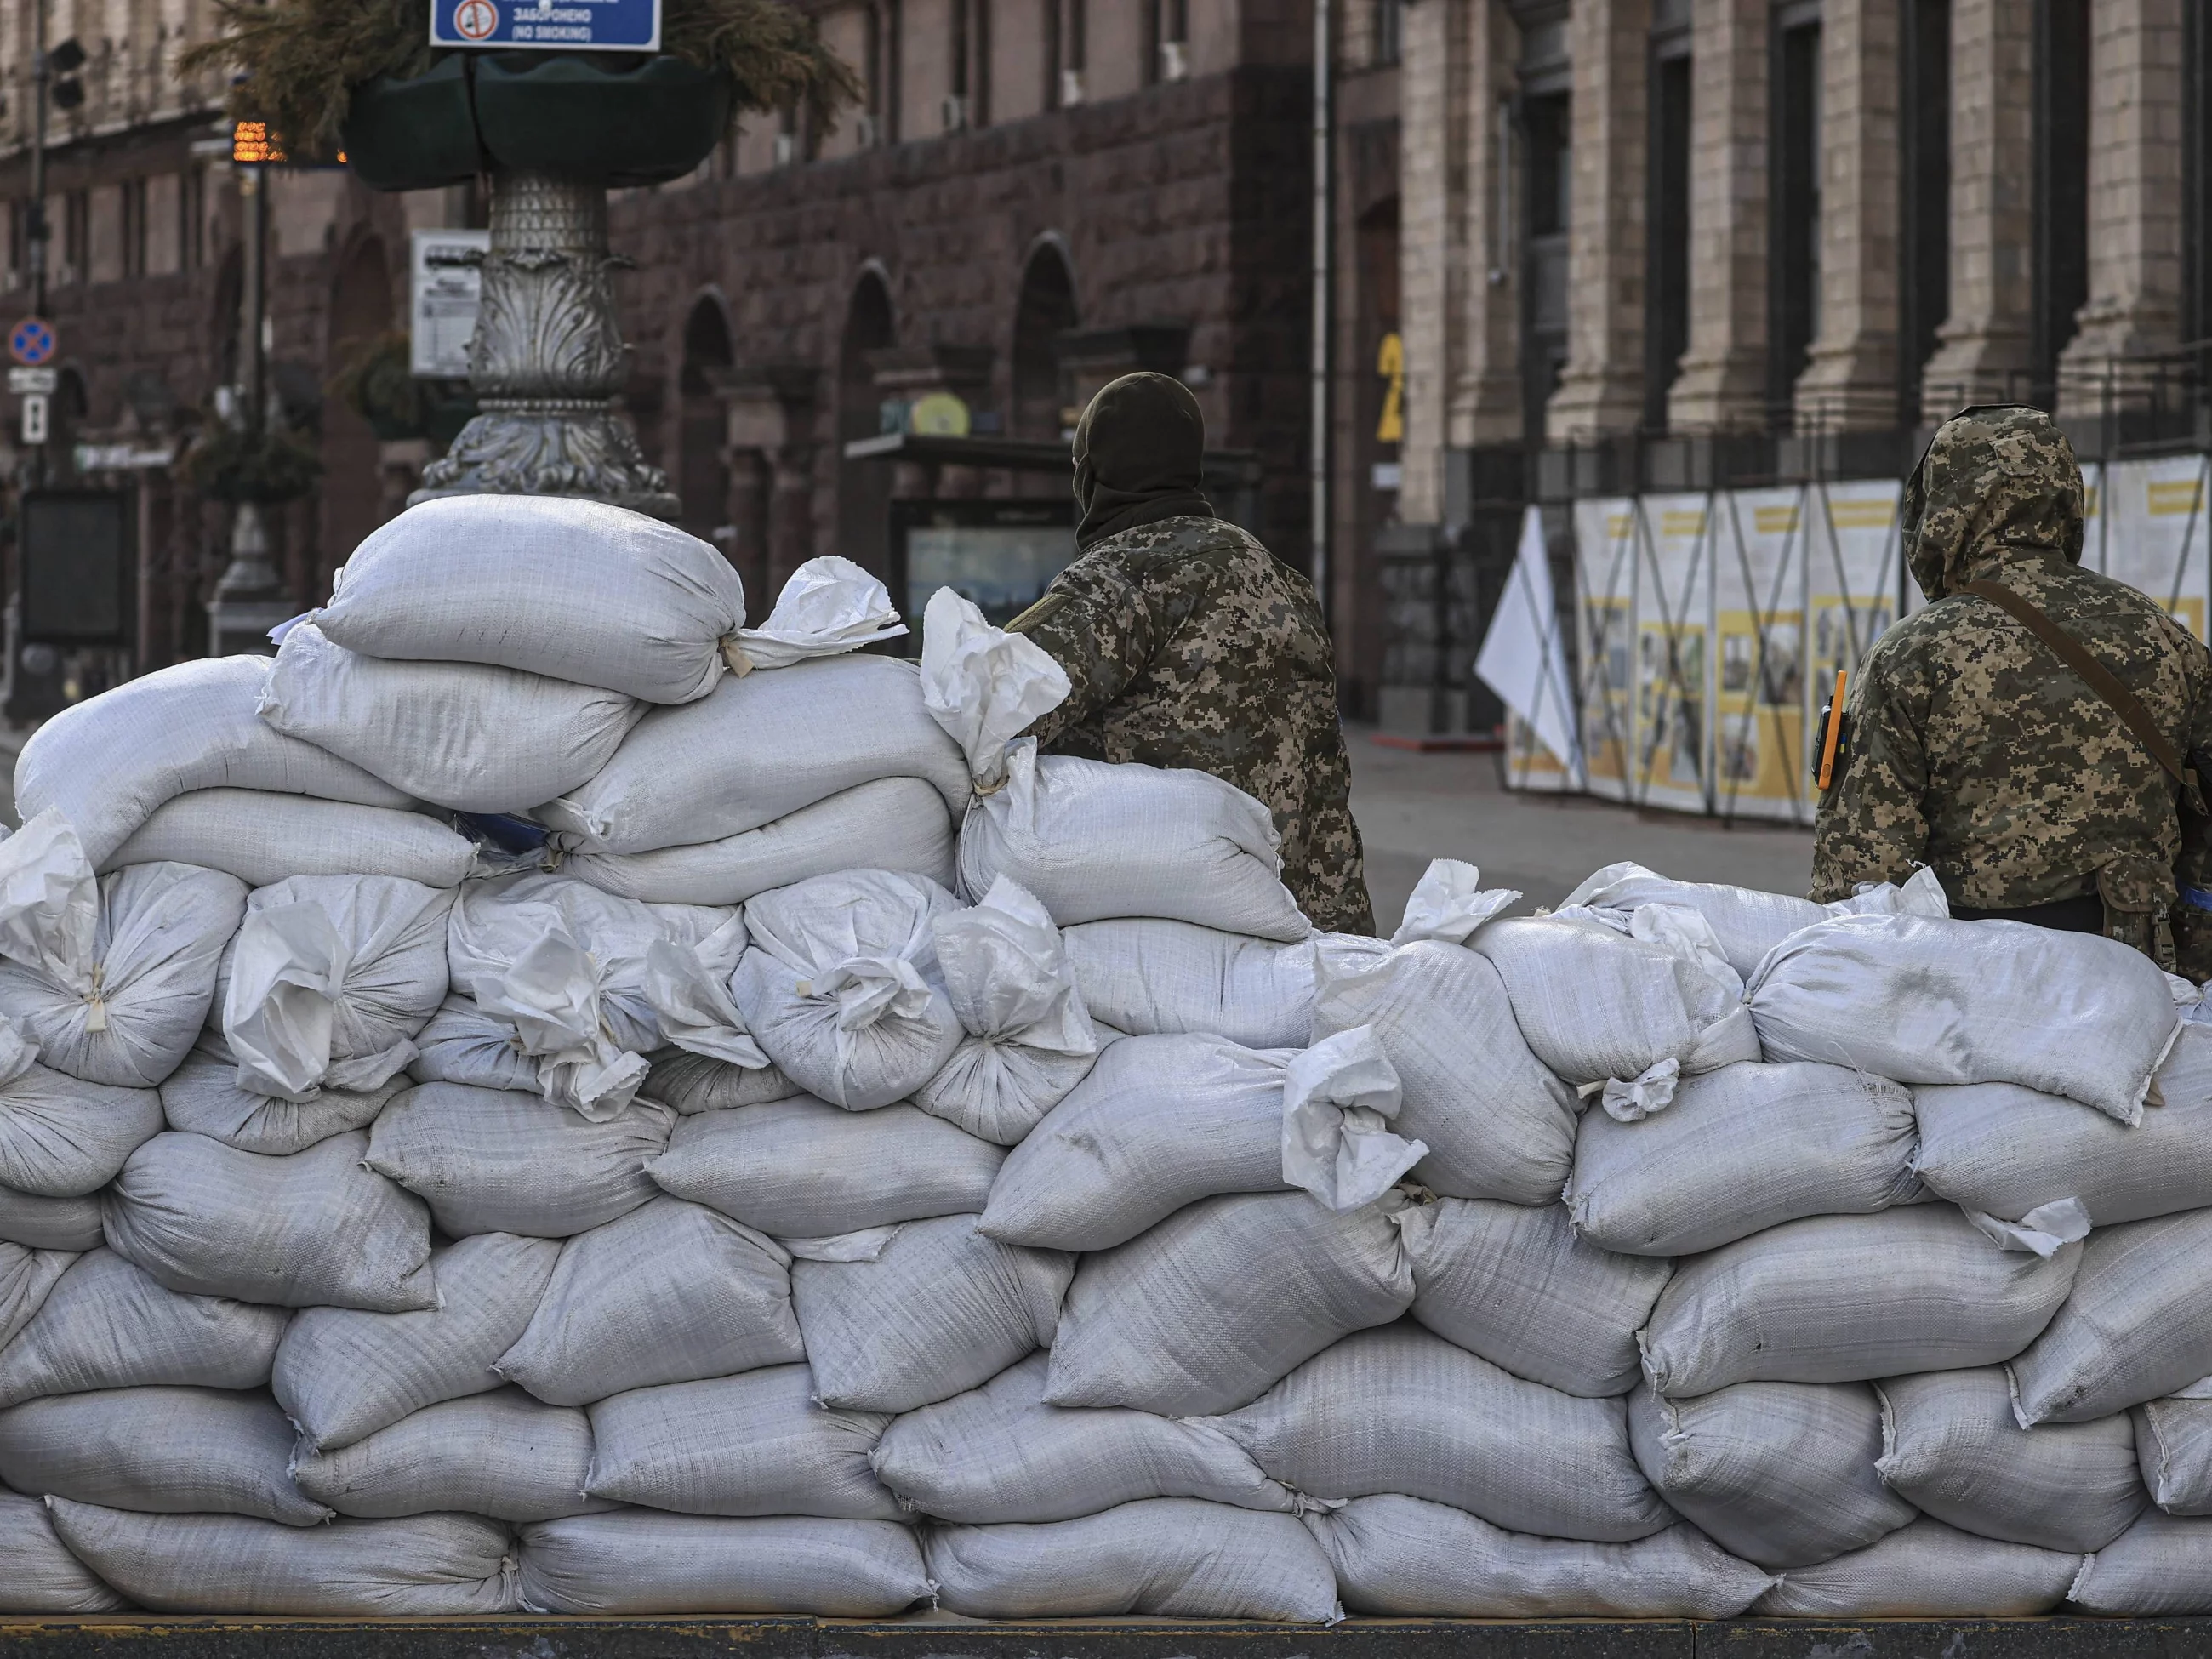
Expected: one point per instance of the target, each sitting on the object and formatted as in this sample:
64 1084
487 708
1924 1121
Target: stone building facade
1036 195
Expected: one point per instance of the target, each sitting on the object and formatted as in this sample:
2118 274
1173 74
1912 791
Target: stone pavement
1414 807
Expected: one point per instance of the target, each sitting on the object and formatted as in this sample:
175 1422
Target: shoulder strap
2098 678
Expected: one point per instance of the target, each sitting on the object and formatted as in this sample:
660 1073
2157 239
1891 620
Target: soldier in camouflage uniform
1187 644
1974 749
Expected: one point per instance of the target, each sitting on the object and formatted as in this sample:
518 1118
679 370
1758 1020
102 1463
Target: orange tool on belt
1832 736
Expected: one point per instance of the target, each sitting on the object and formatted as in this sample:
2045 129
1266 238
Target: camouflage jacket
1187 644
1973 749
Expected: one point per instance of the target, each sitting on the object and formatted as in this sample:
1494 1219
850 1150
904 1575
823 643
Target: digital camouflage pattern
1973 749
1187 644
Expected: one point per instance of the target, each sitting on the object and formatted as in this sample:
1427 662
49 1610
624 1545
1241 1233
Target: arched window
1045 310
863 487
702 479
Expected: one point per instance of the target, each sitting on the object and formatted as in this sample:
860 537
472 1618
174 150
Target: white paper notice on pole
2160 536
446 291
1524 659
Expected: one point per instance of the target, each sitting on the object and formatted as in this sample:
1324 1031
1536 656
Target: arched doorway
703 477
1044 310
352 492
863 488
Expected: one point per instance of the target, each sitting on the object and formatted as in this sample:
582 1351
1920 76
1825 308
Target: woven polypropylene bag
1000 1454
2173 1450
463 735
60 1138
27 1277
1175 1557
49 1224
263 838
432 1566
2137 1325
106 1324
2160 1565
110 761
638 1562
1781 1474
1926 1000
1951 1446
1747 922
502 1454
202 1097
1926 1570
42 1576
572 589
1401 1410
1149 977
1405 1557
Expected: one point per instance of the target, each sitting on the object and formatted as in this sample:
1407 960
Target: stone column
1721 384
1601 392
1850 383
1432 250
1985 345
2136 138
1486 386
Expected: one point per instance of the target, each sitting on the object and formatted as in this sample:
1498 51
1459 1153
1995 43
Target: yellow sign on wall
939 415
1390 365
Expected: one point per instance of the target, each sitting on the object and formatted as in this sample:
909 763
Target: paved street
1414 807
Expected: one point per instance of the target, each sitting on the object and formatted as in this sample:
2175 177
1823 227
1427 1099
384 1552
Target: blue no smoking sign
548 25
32 342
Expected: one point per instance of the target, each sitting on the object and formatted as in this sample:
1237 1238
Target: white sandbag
841 986
111 977
263 838
803 1169
1094 841
983 686
432 1566
1923 1000
1841 1298
668 1293
593 983
27 1277
1926 1570
1171 1557
754 1445
1747 923
1000 1454
1155 977
890 824
1161 1122
49 1224
2173 1450
344 1375
638 1562
572 589
502 1454
1405 1557
41 1575
162 1450
756 751
488 1161
1740 1150
2160 1565
1596 1002
1514 1283
328 980
1030 1039
1781 1474
202 1097
826 607
1211 1307
1497 1124
1401 1410
108 763
106 1324
1950 1446
461 734
2005 1150
464 1044
692 1084
939 1311
60 1138
1340 1099
2137 1325
317 1229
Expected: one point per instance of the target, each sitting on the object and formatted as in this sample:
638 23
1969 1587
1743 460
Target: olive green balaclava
1140 449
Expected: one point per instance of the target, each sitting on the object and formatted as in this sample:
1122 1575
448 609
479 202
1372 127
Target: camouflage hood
1996 476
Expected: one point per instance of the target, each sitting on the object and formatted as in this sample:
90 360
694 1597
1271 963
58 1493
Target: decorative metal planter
548 362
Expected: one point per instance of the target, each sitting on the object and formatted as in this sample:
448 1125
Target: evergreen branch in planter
227 464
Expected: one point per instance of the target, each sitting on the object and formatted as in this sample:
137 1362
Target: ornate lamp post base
548 362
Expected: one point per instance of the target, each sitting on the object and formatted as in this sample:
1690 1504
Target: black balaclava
1138 449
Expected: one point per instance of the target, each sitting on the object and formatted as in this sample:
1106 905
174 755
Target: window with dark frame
1794 195
1387 38
1667 294
2061 186
1924 244
2196 184
1534 213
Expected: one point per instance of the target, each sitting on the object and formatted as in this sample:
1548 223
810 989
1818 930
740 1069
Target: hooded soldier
1187 644
2040 784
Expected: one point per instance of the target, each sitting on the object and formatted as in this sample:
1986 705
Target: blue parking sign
548 25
